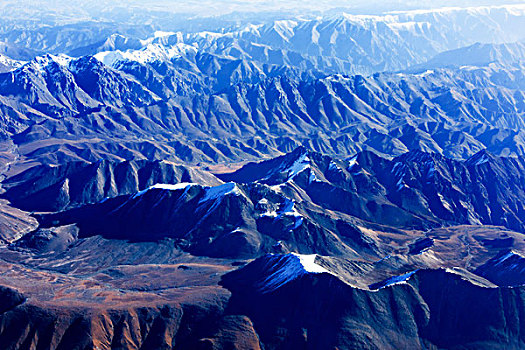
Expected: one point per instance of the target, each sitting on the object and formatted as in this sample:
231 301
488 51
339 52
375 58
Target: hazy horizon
13 8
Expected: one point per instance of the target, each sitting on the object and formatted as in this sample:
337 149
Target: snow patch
40 63
445 203
286 268
396 280
169 187
425 73
10 63
333 166
287 209
312 177
352 162
298 166
309 265
218 192
263 201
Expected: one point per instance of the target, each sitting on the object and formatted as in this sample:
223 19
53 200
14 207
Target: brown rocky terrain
271 261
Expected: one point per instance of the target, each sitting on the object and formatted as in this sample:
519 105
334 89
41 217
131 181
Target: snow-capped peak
150 53
9 63
40 63
286 268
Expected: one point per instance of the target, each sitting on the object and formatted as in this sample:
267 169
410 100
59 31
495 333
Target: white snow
169 187
218 192
10 63
288 268
425 73
150 53
287 209
352 162
333 166
445 203
40 63
397 279
410 26
308 263
312 177
263 201
301 164
174 187
62 59
279 243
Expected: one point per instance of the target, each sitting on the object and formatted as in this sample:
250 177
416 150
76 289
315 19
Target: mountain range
344 239
335 179
166 112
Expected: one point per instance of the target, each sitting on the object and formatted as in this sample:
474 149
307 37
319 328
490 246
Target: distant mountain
343 43
478 55
15 52
64 37
115 42
173 113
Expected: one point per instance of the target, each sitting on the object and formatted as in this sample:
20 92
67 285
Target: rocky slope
439 308
118 115
163 265
304 202
54 188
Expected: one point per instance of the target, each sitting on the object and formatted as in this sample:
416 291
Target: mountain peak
273 271
273 171
42 63
152 52
481 157
507 268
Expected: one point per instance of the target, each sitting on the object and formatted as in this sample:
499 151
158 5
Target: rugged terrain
265 180
305 249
